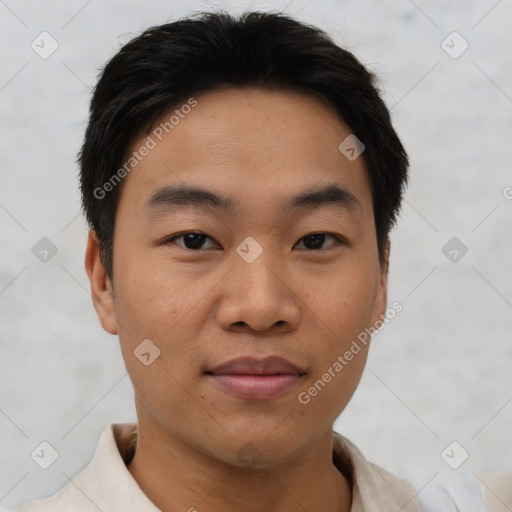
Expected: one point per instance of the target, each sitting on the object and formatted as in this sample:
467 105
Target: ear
382 293
101 288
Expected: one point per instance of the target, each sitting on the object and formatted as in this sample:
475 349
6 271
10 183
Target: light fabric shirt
107 485
459 492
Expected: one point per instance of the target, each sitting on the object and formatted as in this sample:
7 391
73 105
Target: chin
264 452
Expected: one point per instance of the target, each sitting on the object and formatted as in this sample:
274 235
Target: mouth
256 379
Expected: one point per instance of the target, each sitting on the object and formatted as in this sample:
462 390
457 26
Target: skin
206 306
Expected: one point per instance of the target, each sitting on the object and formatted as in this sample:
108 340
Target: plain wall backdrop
439 372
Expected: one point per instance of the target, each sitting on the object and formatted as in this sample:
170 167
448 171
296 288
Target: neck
175 476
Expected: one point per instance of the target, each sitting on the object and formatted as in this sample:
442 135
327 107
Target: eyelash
338 240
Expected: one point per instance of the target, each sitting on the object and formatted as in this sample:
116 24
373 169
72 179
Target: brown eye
315 241
192 241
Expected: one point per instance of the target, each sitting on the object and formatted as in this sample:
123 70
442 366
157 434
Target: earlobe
385 260
383 282
101 287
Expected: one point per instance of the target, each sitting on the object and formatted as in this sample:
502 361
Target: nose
258 296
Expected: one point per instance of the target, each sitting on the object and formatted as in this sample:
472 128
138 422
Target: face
250 274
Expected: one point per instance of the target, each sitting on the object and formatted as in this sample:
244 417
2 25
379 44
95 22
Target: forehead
246 143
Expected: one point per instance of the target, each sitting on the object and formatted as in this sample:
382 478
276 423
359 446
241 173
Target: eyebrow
175 196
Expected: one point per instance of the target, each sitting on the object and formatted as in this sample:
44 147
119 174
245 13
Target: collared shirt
106 484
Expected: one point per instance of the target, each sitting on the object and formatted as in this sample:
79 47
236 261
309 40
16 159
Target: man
240 177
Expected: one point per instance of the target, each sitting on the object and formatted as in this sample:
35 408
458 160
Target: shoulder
466 492
374 489
86 492
68 499
105 483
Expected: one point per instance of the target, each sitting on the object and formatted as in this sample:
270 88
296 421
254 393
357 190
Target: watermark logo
454 249
44 455
351 147
455 455
454 45
249 249
45 45
249 455
44 250
146 352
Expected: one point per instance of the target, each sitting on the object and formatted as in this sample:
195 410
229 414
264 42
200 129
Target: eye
196 241
191 240
314 241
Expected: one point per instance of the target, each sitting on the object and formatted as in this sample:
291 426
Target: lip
270 365
256 379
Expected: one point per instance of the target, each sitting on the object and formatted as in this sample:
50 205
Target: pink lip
257 387
256 379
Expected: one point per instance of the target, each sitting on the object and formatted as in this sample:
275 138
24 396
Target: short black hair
208 51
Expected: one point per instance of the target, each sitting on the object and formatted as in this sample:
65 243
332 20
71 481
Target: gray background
439 372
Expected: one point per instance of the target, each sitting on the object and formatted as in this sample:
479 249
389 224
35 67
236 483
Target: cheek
329 391
342 349
157 303
153 305
344 302
342 308
149 297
